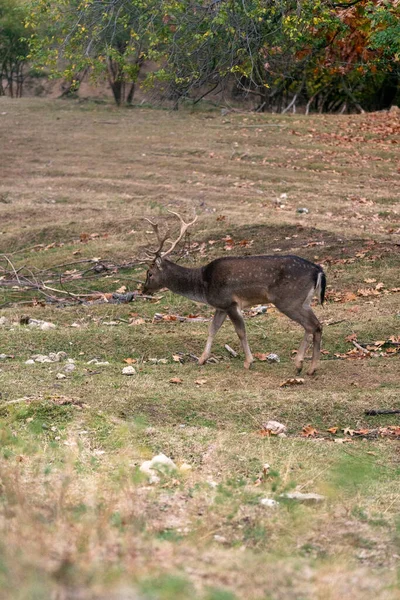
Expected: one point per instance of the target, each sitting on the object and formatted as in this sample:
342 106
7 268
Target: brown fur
232 283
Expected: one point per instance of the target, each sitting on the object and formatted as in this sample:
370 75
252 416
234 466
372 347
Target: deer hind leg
237 319
218 318
307 319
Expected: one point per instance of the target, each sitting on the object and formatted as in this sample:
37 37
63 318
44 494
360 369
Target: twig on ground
231 350
378 411
357 345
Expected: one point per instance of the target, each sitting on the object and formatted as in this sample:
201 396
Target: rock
43 325
42 358
46 326
273 358
159 464
52 357
269 502
220 538
275 427
302 210
57 356
129 370
69 368
3 321
61 376
260 309
98 363
30 361
185 468
307 498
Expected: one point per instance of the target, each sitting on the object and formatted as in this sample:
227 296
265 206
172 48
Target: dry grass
77 518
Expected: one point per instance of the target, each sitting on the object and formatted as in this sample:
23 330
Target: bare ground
77 519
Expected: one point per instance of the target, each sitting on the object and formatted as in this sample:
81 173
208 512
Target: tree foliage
110 39
13 47
327 55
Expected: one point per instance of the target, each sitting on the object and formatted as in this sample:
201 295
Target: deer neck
184 281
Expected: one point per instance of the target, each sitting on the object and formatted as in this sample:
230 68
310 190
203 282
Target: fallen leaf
351 338
176 380
201 381
130 361
139 321
177 358
121 290
333 430
292 381
309 431
348 431
261 356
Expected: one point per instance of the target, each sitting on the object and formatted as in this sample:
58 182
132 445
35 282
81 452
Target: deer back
252 280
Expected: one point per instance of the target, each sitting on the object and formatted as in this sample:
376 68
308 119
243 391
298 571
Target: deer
230 284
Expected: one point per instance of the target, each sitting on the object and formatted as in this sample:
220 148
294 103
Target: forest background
269 55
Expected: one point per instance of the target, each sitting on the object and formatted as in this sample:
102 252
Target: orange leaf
332 430
292 381
261 356
130 361
309 431
176 380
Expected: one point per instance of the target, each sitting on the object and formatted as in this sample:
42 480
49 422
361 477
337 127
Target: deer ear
158 263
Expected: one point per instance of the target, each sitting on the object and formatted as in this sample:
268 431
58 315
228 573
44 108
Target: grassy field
78 519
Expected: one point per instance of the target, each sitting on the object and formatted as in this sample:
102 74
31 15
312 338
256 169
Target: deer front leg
238 322
299 358
317 335
218 318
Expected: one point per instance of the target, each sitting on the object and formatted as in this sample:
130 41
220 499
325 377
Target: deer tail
320 286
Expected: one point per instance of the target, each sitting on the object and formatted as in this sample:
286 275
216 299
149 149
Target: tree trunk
131 93
117 89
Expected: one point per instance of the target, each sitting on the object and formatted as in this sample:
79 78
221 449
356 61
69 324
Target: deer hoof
311 371
299 369
202 360
247 364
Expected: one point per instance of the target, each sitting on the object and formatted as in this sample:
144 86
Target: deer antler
184 228
162 239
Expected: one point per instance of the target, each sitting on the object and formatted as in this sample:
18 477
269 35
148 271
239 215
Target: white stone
3 321
185 468
306 498
98 363
41 358
275 427
220 538
61 376
129 370
269 502
273 358
44 325
158 464
47 326
30 361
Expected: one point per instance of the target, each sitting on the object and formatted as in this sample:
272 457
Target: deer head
156 277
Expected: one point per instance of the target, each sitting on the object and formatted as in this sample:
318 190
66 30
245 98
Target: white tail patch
318 287
315 290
